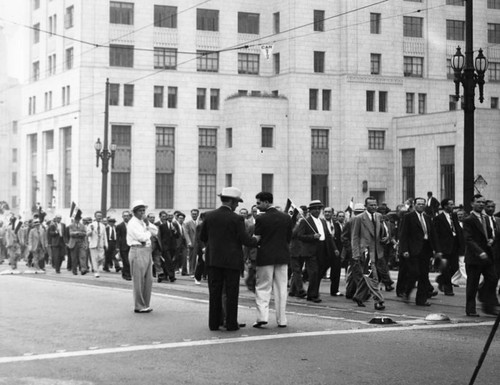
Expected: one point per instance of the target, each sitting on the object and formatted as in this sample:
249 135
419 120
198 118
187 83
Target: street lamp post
465 75
105 154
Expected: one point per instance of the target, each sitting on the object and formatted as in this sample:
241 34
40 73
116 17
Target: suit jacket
433 208
365 236
476 241
305 233
37 239
445 236
121 237
412 234
95 237
56 238
249 253
337 236
275 229
168 238
224 233
77 233
190 232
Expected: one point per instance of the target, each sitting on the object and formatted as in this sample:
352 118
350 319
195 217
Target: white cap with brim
231 192
138 203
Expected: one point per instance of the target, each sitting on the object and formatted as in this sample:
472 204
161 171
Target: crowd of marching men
419 236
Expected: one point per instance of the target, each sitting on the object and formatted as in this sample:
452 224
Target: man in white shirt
98 242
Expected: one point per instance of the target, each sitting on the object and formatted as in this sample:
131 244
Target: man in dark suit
167 236
224 233
493 230
57 242
479 260
273 256
451 242
122 246
431 205
336 267
417 243
110 255
318 248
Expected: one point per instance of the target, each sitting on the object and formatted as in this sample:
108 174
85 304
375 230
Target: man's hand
483 256
316 236
406 254
337 253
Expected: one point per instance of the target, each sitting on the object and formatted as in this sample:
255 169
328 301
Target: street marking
221 341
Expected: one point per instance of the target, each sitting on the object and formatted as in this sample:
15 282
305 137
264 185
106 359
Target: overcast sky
14 36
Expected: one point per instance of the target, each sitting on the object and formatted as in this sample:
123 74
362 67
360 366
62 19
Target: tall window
450 73
68 17
248 23
165 58
452 103
375 19
382 101
36 33
121 13
327 100
494 102
319 61
201 97
36 4
370 100
114 94
413 26
207 61
319 20
214 98
207 19
158 96
172 97
447 165
319 165
36 71
276 60
267 182
276 22
120 174
248 63
313 98
413 66
422 103
128 95
229 180
493 33
376 139
375 62
14 155
410 103
165 17
207 165
165 167
69 58
492 4
52 64
66 165
455 30
229 137
408 173
494 71
121 55
267 137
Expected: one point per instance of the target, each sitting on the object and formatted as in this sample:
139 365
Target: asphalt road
65 329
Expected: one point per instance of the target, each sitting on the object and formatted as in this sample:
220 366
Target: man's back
275 228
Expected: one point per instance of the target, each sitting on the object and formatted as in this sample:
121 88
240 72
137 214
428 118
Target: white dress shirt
138 233
319 226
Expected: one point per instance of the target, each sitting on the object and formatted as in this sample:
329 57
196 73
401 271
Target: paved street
65 329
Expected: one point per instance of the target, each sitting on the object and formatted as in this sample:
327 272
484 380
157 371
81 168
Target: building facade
293 97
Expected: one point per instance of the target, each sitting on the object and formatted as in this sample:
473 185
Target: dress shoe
491 310
337 294
315 300
118 269
379 306
127 278
449 293
233 329
84 272
473 314
259 324
282 326
242 325
433 293
440 287
196 282
424 304
359 302
146 310
161 279
214 329
173 279
389 288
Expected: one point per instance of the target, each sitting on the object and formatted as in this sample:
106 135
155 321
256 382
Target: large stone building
199 101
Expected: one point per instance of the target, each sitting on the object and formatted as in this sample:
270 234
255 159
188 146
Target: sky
14 36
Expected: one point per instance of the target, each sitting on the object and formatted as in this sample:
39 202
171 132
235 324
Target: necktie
483 222
424 227
98 235
112 234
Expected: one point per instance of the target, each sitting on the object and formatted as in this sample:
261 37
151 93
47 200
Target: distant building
197 103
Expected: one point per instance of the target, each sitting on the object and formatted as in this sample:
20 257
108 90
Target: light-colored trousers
141 269
97 258
271 278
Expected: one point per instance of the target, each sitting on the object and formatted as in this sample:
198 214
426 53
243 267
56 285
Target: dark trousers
447 268
486 291
200 270
125 263
418 271
297 284
218 278
168 264
79 257
335 275
109 257
383 272
58 256
312 269
402 282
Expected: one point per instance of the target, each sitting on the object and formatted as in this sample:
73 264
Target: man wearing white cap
139 240
224 233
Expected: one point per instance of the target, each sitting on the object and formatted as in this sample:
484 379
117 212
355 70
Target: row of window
65 100
52 64
52 24
383 102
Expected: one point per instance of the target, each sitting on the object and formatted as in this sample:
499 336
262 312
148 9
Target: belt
139 246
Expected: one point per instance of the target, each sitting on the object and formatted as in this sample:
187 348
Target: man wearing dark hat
224 233
78 245
56 232
318 248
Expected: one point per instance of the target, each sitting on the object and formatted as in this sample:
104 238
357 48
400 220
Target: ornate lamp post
465 75
105 154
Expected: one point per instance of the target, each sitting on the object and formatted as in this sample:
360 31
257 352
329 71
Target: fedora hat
231 192
138 203
359 207
315 203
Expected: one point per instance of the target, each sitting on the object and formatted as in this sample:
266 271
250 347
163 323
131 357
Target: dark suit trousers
316 267
418 271
168 264
218 278
109 259
57 256
402 280
383 271
447 270
486 292
297 284
200 270
335 274
125 263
